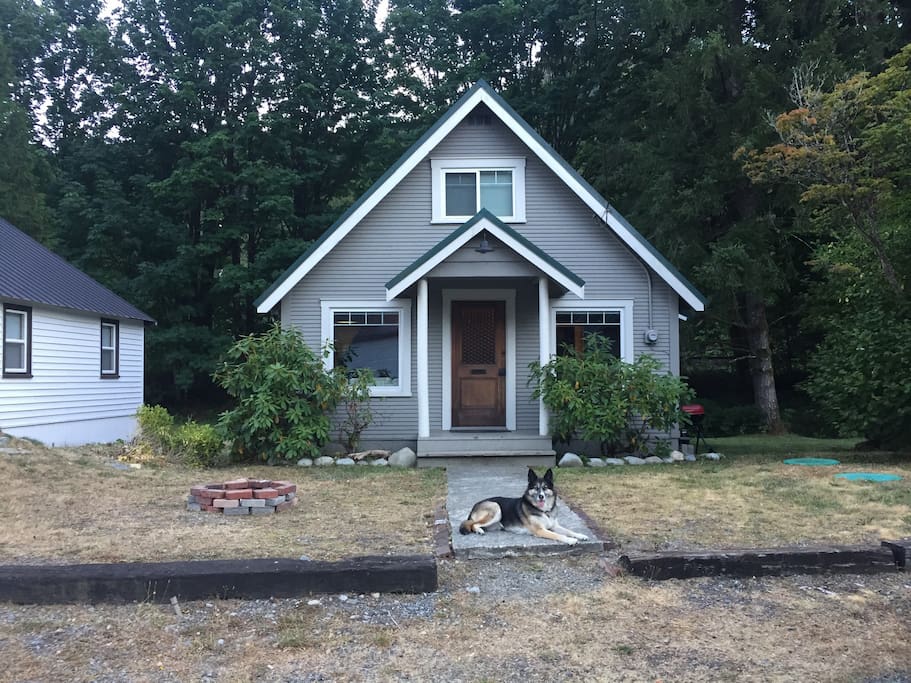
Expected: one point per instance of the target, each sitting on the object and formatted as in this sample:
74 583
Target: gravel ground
517 619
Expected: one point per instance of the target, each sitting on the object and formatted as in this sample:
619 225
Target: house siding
399 230
66 402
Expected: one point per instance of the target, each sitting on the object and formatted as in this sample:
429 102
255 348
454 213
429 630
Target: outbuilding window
110 349
17 341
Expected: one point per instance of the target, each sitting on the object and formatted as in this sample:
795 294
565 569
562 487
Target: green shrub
283 397
199 445
190 443
731 420
595 396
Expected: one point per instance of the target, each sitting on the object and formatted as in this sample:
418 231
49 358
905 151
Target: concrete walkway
469 483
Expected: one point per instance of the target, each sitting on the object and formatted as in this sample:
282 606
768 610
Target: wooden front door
478 364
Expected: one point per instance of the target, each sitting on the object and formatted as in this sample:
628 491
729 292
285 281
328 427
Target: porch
442 448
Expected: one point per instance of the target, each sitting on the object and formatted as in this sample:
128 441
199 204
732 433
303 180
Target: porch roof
484 220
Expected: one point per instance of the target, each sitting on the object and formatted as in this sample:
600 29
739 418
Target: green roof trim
466 227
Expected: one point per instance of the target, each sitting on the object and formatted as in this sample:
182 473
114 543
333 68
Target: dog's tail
465 527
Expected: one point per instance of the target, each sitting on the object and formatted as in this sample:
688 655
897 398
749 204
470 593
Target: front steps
442 449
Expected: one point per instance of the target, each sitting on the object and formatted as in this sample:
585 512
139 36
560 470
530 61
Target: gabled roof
479 93
485 220
32 273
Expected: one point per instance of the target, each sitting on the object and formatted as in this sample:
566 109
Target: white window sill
458 220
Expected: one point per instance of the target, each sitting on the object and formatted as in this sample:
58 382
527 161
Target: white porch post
423 363
544 345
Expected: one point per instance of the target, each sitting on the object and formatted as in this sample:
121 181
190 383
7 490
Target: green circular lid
811 462
868 476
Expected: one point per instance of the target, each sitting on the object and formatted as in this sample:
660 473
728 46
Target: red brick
209 508
260 483
237 494
266 493
223 503
284 487
235 484
198 491
281 507
209 494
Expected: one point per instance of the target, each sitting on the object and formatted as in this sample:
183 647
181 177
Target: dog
535 512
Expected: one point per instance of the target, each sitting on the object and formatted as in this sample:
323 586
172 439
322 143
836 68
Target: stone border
159 582
890 556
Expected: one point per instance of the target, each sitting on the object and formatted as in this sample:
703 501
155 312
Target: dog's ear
532 476
549 477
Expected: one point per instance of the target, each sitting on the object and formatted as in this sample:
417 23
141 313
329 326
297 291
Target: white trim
509 297
22 341
624 306
543 349
440 167
421 152
329 306
423 362
491 227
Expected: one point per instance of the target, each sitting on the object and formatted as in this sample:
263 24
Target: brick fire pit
243 497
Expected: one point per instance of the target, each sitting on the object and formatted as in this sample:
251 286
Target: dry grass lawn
73 506
743 502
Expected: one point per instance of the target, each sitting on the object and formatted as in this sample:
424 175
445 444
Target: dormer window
462 187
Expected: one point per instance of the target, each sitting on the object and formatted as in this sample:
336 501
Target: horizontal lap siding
65 385
398 231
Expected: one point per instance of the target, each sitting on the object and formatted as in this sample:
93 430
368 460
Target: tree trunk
765 395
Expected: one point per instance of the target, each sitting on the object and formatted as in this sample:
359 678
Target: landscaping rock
712 456
677 456
633 460
654 460
689 457
305 462
379 462
570 460
614 461
404 457
4 440
595 462
344 461
324 461
668 460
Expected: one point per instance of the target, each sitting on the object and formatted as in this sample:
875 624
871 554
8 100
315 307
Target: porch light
484 245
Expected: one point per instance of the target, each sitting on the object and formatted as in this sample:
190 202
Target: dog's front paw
568 540
479 530
581 537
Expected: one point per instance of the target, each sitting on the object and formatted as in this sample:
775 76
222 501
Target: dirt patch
78 505
507 620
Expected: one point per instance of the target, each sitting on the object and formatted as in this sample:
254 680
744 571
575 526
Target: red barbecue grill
696 414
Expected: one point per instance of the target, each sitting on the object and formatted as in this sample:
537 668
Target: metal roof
31 273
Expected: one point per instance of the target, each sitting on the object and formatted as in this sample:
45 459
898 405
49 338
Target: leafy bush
191 443
731 420
597 397
284 397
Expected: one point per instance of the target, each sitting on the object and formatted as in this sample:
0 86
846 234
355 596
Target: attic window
462 187
480 119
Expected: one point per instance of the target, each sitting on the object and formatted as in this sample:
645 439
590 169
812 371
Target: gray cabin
480 251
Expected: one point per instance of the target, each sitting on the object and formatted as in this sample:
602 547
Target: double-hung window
375 336
17 341
575 323
462 187
110 349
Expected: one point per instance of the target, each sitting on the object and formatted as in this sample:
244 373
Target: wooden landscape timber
158 582
890 556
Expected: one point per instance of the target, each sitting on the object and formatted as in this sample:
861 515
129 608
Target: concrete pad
467 484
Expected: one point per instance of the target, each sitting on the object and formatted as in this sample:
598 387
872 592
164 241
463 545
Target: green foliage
597 397
283 397
190 443
357 410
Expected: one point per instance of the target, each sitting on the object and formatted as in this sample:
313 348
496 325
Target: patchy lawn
750 498
73 506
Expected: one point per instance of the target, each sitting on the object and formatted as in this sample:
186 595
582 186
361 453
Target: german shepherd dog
534 512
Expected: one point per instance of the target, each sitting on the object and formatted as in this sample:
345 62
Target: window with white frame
371 335
17 341
462 187
110 349
573 326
